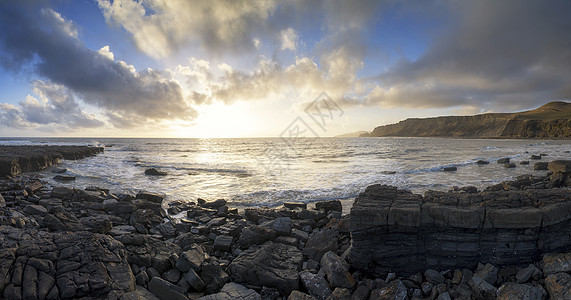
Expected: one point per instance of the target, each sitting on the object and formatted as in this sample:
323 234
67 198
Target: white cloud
289 39
104 51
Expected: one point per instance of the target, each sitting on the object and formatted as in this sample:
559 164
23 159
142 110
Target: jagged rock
232 291
223 242
255 235
214 204
165 290
194 280
340 294
395 290
214 277
155 172
315 284
140 293
526 273
145 217
504 160
35 210
268 293
361 293
555 263
33 187
62 221
191 259
509 291
153 197
558 285
433 276
271 264
337 271
320 242
282 225
62 192
327 206
297 295
540 166
510 165
488 272
97 224
294 205
145 250
172 275
482 288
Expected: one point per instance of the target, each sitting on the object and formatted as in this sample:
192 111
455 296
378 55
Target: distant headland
552 120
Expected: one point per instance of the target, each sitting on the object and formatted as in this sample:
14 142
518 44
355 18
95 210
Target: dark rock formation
395 230
553 120
18 159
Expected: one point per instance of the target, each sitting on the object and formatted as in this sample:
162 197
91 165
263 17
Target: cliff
553 120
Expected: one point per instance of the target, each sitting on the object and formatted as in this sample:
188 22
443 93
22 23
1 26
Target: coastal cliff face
552 120
397 231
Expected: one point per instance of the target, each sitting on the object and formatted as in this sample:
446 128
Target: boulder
195 282
448 169
558 285
482 162
555 263
271 264
191 259
214 277
64 178
320 242
297 295
315 284
394 290
232 291
255 235
327 206
223 243
214 204
510 165
540 166
336 271
165 290
153 197
155 172
504 160
433 276
513 291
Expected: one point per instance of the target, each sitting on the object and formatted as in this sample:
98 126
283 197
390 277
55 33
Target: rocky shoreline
62 243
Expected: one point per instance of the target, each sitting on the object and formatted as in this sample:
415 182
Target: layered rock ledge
18 159
513 223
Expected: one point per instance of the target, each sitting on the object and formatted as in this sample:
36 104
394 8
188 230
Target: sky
260 68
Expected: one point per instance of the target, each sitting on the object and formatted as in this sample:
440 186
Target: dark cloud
42 40
510 54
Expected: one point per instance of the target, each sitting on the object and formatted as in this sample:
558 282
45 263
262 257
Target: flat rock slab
18 159
271 264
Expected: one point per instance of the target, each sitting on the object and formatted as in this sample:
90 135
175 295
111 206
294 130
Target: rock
232 291
269 293
482 162
558 285
535 157
504 160
214 204
433 276
172 275
97 223
336 271
510 165
444 296
562 166
155 172
35 210
165 290
488 272
153 197
190 259
540 166
524 162
213 276
59 170
448 169
426 287
223 243
340 294
555 263
282 226
271 264
514 291
482 288
294 205
327 206
361 293
145 217
395 290
320 242
255 235
64 178
33 187
526 273
315 285
194 280
297 295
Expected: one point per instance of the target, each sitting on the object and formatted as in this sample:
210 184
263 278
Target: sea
254 172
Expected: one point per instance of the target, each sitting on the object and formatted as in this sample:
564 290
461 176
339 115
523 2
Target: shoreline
70 243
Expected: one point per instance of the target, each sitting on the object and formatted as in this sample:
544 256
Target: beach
69 243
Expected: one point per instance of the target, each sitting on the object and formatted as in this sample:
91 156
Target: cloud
289 39
55 108
48 45
161 27
508 54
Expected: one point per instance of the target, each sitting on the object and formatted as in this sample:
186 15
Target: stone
97 223
444 296
165 290
526 273
515 291
172 275
315 284
282 226
155 172
271 264
62 192
294 205
320 242
395 290
34 209
223 243
59 170
297 295
299 234
449 169
64 178
327 206
426 287
190 259
504 160
194 280
555 263
232 291
153 197
482 162
487 272
540 166
361 293
562 166
433 276
255 235
558 285
510 165
214 277
336 271
535 157
482 288
214 204
340 294
33 187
